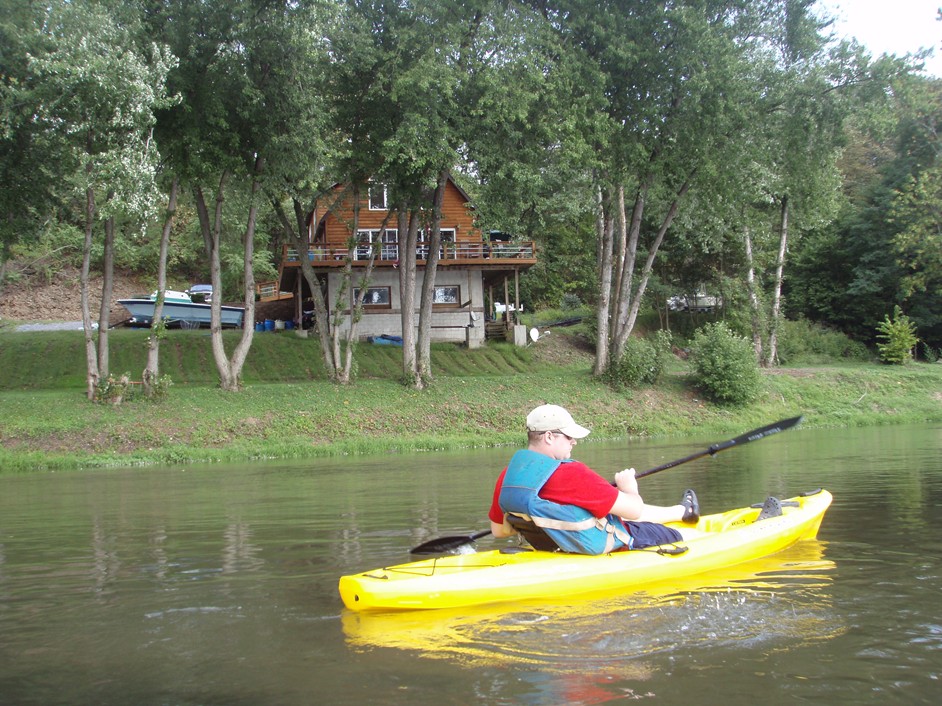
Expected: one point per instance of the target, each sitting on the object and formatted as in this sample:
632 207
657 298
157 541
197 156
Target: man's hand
626 482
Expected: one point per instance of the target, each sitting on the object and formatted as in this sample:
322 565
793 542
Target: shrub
804 341
725 367
641 364
570 302
899 338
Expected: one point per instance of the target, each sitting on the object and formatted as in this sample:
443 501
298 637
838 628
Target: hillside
35 297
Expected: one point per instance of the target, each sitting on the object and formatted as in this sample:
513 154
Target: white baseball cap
551 417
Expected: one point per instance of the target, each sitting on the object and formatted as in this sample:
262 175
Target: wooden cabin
477 274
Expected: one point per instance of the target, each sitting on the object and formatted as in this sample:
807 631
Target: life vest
572 528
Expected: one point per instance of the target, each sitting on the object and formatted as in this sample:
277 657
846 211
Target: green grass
56 359
479 398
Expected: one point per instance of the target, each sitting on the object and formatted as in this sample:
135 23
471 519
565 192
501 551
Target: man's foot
691 507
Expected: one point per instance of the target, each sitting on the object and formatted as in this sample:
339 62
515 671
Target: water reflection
239 553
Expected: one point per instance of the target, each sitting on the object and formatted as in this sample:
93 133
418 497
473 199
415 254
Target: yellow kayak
517 573
799 574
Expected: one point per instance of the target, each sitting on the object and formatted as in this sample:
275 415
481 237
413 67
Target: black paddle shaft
753 435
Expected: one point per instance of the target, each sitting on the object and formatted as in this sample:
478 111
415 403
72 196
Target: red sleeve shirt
573 483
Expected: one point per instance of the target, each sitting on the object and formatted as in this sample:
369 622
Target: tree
805 123
151 376
898 338
28 193
851 274
678 89
95 81
243 85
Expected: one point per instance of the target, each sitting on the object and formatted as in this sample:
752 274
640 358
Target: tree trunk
151 372
91 358
604 235
755 305
621 297
211 235
241 352
621 244
424 362
343 347
772 357
632 301
298 238
104 311
408 225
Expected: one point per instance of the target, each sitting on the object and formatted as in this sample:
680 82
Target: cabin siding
456 215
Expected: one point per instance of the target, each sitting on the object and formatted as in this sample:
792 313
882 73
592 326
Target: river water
218 585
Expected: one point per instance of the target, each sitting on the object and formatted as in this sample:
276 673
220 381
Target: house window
378 197
448 250
421 248
375 298
390 244
449 295
365 239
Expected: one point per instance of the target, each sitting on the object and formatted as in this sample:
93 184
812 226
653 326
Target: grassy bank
479 399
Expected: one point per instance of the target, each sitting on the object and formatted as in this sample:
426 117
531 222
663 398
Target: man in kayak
556 502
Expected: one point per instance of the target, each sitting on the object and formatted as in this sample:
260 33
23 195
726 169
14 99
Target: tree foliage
897 338
648 148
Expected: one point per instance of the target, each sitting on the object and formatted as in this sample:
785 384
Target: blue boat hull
142 313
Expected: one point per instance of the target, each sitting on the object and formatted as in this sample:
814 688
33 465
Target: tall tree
805 119
96 93
242 113
678 88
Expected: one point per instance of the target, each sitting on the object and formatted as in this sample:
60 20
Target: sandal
691 507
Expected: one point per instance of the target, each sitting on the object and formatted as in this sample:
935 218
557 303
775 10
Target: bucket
279 325
269 325
260 326
289 325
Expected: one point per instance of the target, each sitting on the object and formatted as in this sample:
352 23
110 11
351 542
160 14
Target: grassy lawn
479 398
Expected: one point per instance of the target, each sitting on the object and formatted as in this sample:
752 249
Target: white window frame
373 193
390 244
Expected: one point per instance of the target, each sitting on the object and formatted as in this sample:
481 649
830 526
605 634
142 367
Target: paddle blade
442 545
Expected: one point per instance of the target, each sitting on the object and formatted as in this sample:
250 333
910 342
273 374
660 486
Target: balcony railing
389 252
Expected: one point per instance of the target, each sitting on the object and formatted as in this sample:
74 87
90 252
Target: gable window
378 197
445 296
375 297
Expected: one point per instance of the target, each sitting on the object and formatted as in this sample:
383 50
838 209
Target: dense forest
651 149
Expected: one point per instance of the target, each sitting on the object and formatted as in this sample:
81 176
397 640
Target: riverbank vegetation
791 175
478 399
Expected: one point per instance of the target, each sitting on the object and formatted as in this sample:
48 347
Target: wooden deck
450 255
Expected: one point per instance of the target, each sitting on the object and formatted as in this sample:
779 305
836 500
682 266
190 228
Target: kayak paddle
446 544
753 435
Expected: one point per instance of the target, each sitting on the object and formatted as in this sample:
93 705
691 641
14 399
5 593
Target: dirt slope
37 299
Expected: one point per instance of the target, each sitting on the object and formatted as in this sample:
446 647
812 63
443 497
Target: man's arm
502 530
628 505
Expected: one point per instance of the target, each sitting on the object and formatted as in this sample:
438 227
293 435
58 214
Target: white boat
180 310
